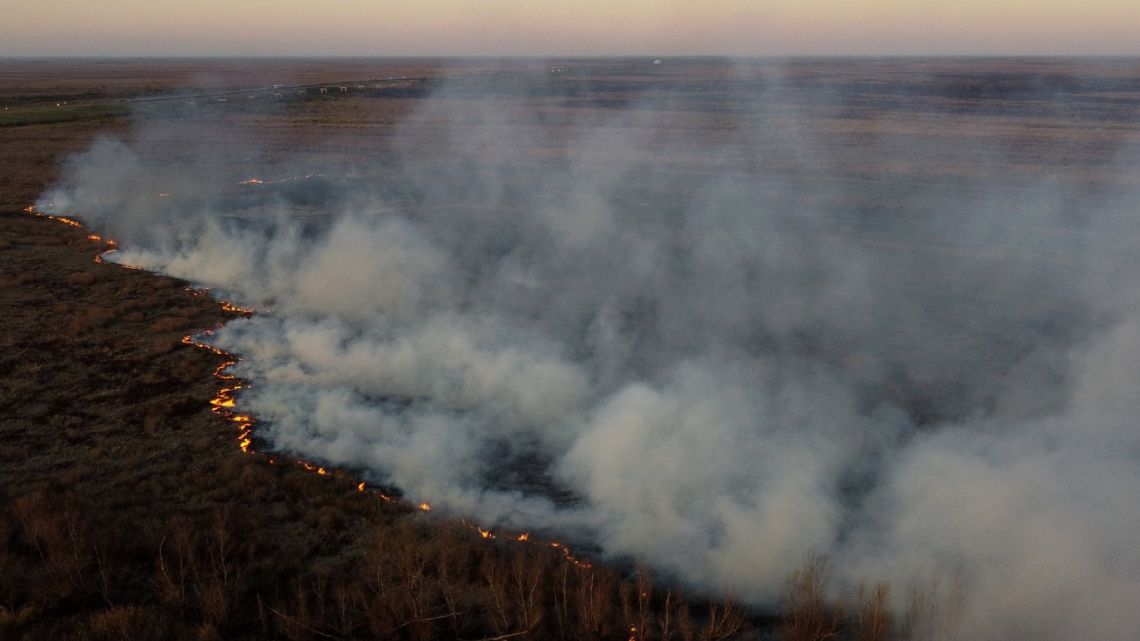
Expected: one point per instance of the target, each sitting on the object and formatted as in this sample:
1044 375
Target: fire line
224 401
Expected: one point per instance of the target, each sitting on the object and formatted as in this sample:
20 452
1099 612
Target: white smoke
673 341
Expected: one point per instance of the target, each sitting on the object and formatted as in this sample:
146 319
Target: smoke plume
708 330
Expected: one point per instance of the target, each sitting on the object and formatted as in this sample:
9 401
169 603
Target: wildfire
313 468
230 307
224 402
568 557
220 372
31 209
67 221
252 181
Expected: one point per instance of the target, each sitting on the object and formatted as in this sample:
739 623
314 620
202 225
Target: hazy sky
561 27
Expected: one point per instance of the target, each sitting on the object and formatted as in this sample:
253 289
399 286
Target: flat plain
127 509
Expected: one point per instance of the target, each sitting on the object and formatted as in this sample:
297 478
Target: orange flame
224 401
230 307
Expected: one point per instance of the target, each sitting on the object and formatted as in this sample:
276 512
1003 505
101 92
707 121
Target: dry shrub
330 520
15 280
88 318
125 622
517 587
807 615
595 598
452 559
15 617
933 609
207 632
7 534
873 620
170 324
153 420
177 564
53 528
674 619
635 598
202 571
162 282
725 620
188 371
80 279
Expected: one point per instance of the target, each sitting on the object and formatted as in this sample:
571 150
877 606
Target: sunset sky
567 27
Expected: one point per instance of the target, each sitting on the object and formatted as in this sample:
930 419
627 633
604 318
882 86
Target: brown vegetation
219 575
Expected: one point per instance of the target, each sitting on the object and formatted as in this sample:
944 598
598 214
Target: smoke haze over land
709 326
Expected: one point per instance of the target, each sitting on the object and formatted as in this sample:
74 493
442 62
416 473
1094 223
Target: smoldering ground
705 324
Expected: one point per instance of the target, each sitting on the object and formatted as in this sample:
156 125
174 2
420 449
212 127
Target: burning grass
130 508
140 518
137 515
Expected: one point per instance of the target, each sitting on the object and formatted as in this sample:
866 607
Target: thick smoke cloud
699 347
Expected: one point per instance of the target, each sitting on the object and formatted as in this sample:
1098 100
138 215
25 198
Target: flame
31 209
252 181
310 467
568 557
230 307
224 401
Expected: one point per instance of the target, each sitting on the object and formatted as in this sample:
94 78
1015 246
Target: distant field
19 116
